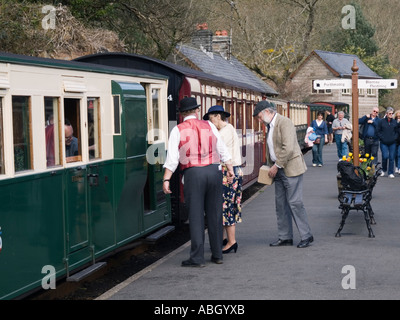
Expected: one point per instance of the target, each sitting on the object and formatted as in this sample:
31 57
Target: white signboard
377 84
332 84
362 84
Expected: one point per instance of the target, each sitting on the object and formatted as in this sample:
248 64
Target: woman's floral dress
232 194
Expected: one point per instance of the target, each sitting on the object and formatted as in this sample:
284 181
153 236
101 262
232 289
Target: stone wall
314 69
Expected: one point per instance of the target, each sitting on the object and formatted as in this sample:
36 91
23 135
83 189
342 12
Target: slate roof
340 64
121 56
233 69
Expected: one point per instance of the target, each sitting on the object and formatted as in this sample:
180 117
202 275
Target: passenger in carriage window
71 142
92 145
50 156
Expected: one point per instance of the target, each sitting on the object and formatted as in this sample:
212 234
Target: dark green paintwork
68 217
32 222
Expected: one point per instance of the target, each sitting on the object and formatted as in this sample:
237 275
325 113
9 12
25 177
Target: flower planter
339 182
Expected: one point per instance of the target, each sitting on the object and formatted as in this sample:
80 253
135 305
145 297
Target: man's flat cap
260 107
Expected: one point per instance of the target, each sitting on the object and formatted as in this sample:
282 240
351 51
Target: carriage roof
6 57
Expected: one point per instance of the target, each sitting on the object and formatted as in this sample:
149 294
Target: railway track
124 264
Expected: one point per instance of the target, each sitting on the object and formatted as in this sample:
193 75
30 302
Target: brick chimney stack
222 44
203 38
209 43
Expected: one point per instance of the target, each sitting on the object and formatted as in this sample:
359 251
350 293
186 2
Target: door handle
93 179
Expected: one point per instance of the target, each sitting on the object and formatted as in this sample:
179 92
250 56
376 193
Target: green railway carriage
77 179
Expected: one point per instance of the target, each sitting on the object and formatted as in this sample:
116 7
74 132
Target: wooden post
356 149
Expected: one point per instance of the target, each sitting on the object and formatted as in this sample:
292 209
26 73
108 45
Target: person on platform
338 126
329 120
198 148
397 153
287 167
321 130
369 135
232 192
387 132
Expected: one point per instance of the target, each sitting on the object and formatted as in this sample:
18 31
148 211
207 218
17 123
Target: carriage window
249 117
229 108
22 133
72 127
239 116
155 93
52 130
1 139
117 118
93 108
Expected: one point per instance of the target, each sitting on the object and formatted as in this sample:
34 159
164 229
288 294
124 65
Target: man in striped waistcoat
197 147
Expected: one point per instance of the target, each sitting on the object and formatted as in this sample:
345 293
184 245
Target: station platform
352 267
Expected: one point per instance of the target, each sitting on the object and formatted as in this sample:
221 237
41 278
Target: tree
270 36
152 28
22 31
362 36
309 9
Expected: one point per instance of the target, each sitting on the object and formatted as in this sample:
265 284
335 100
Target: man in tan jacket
287 164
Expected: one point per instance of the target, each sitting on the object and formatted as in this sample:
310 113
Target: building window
94 128
322 91
2 170
52 131
371 92
346 92
22 133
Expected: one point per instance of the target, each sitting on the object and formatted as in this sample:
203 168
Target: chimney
222 44
203 38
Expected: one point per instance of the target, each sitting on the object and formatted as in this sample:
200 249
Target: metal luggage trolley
359 200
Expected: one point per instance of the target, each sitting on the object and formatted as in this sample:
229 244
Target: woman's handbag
317 141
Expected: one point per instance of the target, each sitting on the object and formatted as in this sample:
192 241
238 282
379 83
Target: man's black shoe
305 243
188 263
281 243
216 260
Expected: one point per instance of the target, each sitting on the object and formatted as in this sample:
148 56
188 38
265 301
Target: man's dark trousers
203 195
371 146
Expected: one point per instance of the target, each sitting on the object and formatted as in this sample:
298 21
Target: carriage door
155 204
77 218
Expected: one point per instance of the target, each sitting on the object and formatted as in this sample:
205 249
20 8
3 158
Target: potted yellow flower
367 168
366 164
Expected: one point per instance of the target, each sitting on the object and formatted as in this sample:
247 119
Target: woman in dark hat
232 192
